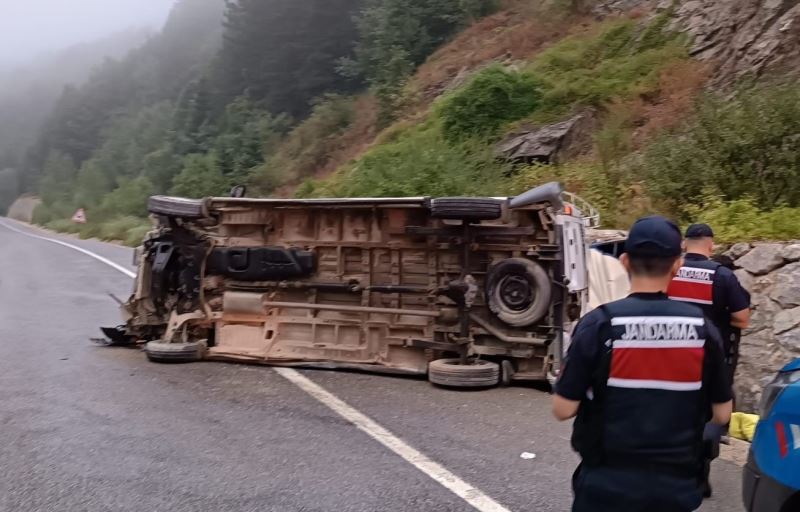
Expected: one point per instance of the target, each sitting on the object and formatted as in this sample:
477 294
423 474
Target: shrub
130 198
746 146
117 229
306 189
42 214
742 220
89 230
491 99
419 161
584 178
63 226
135 235
309 146
200 178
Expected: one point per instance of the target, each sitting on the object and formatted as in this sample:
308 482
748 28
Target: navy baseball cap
654 236
699 231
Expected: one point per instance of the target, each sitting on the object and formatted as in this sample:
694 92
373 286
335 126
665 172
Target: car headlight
774 390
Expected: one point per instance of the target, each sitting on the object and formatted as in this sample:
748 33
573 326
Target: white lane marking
472 495
436 471
99 258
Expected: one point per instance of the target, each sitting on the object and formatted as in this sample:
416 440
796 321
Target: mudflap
116 337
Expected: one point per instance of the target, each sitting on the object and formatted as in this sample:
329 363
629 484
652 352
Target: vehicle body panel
772 474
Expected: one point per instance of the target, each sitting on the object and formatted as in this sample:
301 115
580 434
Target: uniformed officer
714 287
724 301
642 377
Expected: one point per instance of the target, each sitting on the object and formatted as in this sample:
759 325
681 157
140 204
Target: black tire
451 373
466 208
506 373
160 352
518 291
177 207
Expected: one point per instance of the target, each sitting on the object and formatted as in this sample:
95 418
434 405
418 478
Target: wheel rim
516 292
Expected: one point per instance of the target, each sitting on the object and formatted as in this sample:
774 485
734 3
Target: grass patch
128 230
416 161
617 60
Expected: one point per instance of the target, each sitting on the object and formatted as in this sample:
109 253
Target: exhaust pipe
550 192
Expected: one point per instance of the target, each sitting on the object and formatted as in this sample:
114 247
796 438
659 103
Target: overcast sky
29 28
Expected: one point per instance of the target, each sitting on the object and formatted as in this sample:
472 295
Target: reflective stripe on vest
658 353
693 284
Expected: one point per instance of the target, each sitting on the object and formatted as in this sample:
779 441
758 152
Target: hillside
28 94
685 108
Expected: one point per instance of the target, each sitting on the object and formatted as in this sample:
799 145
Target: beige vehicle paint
374 284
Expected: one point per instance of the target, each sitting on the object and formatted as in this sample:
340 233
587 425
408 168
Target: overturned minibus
471 292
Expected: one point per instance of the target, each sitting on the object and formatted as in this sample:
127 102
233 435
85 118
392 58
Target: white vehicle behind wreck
471 292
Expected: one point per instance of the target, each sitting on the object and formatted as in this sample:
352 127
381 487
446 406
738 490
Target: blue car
772 474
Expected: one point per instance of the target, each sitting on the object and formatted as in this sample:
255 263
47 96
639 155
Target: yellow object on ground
743 426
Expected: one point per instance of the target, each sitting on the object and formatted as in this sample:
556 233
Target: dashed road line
469 493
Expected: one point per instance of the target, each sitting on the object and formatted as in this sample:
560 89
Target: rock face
549 144
741 36
770 274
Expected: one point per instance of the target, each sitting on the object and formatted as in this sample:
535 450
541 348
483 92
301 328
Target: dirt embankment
22 208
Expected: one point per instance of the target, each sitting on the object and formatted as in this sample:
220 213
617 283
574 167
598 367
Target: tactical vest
695 283
648 405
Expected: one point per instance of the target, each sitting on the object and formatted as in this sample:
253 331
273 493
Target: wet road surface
85 428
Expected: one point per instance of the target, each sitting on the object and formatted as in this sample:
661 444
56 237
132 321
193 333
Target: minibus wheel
160 352
518 291
453 373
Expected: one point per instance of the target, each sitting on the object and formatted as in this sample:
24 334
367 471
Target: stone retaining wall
771 273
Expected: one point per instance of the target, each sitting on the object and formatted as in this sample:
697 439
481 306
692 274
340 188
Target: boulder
791 253
745 278
786 320
787 286
736 251
549 144
790 340
762 259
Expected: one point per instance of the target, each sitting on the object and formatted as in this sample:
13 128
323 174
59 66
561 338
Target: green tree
9 188
57 183
130 198
199 178
742 147
91 185
246 133
396 36
284 53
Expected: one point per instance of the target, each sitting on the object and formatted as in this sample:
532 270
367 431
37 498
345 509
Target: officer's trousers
605 489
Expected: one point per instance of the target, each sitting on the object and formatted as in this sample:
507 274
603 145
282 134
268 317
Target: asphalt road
85 428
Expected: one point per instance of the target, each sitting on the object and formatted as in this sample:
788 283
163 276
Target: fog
32 28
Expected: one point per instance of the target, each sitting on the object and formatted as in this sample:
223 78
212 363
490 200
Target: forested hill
29 92
408 97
